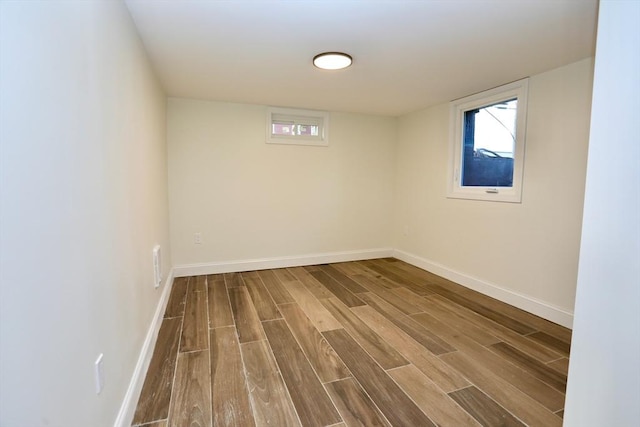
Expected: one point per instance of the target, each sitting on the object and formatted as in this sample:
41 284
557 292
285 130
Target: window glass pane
489 144
282 128
308 130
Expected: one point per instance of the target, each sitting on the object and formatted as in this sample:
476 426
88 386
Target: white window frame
298 116
513 194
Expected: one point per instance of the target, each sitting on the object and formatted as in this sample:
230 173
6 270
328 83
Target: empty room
319 213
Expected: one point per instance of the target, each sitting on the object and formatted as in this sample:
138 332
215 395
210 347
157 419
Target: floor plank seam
246 377
208 322
286 388
363 391
150 423
366 351
409 396
503 408
175 371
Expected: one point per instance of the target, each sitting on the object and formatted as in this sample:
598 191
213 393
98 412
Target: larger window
487 144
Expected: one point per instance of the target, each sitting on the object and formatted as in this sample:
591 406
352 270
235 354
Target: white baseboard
524 302
532 305
128 408
279 262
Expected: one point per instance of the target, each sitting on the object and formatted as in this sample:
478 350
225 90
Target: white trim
532 305
279 262
527 303
127 410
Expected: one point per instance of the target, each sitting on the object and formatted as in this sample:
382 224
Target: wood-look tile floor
370 343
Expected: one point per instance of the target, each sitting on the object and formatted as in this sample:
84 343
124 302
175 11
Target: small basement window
298 127
487 144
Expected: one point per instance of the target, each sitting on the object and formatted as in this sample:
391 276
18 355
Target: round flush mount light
332 60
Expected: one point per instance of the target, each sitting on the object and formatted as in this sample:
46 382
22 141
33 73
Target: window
301 127
487 144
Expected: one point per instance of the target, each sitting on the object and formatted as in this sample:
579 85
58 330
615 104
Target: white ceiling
408 55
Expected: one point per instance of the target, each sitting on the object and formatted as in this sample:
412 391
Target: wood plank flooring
368 343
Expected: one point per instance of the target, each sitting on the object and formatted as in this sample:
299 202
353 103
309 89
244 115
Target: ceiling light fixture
332 60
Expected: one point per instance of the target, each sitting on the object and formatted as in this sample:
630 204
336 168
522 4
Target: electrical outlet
99 373
197 238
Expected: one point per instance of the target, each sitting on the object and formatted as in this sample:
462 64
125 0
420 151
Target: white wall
252 200
83 200
604 372
524 253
